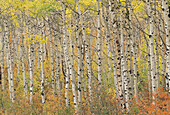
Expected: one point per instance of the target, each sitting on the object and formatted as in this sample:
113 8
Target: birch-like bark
119 79
135 65
67 58
73 75
17 58
22 54
131 50
52 59
42 71
151 43
11 77
7 57
23 65
57 61
123 69
126 64
31 69
39 59
19 47
79 56
113 51
166 12
82 65
2 54
156 46
99 46
84 41
90 67
162 52
108 35
149 73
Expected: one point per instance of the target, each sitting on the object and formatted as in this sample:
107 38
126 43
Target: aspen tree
114 56
119 80
13 49
23 66
162 51
107 26
84 40
82 66
130 45
39 58
166 12
90 67
73 75
123 74
9 56
31 69
156 46
2 50
57 61
121 48
149 73
62 59
126 83
17 58
88 61
5 26
67 84
19 47
99 46
67 58
79 56
135 66
37 48
42 71
8 65
11 70
151 43
22 54
65 52
52 58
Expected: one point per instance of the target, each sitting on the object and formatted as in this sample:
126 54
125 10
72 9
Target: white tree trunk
167 30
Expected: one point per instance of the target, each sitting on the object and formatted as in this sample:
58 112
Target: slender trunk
149 74
162 52
10 66
84 41
123 69
131 50
166 12
3 47
73 76
119 79
90 67
57 61
17 58
151 43
99 46
23 66
52 59
42 71
31 69
67 58
135 66
156 46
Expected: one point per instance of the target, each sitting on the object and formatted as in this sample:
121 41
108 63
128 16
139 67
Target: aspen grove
99 57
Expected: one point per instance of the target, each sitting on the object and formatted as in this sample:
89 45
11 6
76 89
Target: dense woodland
100 57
